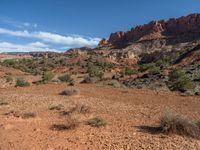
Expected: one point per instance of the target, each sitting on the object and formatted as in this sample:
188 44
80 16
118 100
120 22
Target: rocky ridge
172 31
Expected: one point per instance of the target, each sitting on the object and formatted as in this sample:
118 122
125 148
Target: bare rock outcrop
173 31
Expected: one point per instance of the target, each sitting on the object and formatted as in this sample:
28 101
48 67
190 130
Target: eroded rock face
78 50
173 31
103 42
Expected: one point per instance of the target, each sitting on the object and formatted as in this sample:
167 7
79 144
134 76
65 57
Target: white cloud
54 38
11 47
38 44
15 23
24 33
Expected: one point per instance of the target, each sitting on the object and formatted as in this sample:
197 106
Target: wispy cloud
31 47
18 24
70 40
24 33
39 44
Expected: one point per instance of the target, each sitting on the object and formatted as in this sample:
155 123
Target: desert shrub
104 65
96 122
26 65
9 63
20 82
71 82
71 122
76 109
82 108
70 92
47 76
72 55
89 79
149 66
129 71
28 115
172 122
198 123
94 71
115 83
65 78
162 62
56 107
9 79
178 81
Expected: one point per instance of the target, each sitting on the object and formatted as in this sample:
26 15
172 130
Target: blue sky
56 25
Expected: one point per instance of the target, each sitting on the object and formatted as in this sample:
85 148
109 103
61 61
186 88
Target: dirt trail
131 116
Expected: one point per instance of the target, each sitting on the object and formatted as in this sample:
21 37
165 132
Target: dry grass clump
72 116
28 115
17 114
96 122
76 109
56 107
172 122
70 92
83 109
71 122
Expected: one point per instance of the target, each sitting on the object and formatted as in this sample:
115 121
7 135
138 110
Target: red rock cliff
183 29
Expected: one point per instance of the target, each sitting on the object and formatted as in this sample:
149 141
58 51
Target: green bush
47 76
9 79
65 78
129 71
178 81
149 66
94 71
104 65
97 122
20 82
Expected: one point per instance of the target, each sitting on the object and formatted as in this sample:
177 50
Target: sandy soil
132 117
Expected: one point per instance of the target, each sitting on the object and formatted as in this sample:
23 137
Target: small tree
47 76
178 81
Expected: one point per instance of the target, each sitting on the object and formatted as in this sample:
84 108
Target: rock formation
172 31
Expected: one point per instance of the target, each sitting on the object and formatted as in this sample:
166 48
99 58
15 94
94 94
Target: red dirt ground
131 116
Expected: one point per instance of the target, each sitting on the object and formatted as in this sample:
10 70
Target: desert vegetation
179 81
70 92
20 82
96 122
121 106
172 122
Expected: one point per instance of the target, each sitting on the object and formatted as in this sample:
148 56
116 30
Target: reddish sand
131 116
